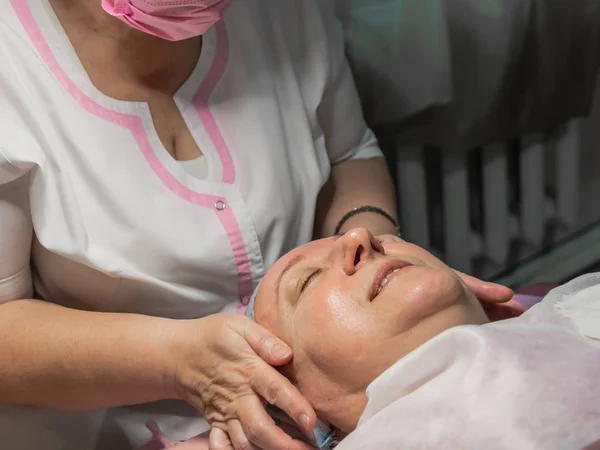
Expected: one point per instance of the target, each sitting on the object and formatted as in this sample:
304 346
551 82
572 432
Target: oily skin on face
351 307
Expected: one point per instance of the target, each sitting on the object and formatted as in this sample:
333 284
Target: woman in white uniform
155 158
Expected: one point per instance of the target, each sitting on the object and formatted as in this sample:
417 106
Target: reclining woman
394 351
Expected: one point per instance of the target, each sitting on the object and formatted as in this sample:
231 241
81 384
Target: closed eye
309 278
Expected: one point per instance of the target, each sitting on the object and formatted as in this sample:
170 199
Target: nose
355 248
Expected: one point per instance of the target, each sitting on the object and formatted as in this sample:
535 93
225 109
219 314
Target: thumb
219 440
266 345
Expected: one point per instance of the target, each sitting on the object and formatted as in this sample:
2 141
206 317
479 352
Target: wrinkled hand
226 371
497 300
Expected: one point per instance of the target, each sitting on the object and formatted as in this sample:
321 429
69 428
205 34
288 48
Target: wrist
172 354
185 353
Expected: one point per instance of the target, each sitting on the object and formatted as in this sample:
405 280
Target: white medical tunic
107 220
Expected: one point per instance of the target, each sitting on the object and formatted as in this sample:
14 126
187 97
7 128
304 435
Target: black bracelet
364 209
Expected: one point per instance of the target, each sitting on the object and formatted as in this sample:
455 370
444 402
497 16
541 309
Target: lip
383 271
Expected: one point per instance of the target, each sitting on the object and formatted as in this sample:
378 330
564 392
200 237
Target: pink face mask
168 19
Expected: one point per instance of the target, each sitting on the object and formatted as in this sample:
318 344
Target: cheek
332 329
340 313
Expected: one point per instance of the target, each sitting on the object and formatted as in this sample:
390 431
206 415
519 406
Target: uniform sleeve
20 155
340 115
9 170
16 230
16 233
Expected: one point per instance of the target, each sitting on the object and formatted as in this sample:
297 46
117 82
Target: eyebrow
295 260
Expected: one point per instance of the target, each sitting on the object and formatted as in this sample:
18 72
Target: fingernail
280 351
305 420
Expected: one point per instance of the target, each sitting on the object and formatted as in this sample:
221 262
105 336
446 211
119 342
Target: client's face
351 307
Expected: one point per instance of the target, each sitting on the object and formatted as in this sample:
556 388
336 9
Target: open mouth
385 274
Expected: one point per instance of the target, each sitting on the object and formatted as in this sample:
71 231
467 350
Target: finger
238 437
503 311
268 346
486 291
260 429
280 392
219 440
515 307
283 421
278 415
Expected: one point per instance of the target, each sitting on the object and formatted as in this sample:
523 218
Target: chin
430 320
422 293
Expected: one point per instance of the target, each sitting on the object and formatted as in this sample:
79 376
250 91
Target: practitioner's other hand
497 300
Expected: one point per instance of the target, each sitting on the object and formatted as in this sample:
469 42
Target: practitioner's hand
226 371
497 300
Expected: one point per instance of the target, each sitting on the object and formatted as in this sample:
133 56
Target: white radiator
484 210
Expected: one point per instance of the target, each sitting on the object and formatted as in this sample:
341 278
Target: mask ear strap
324 435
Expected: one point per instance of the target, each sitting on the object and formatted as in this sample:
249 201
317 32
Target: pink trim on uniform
136 127
203 110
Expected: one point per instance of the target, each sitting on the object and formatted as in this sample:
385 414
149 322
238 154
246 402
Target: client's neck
339 405
344 412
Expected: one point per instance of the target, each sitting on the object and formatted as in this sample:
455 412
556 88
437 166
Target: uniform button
220 205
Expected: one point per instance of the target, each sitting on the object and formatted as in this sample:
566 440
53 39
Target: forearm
70 360
356 183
